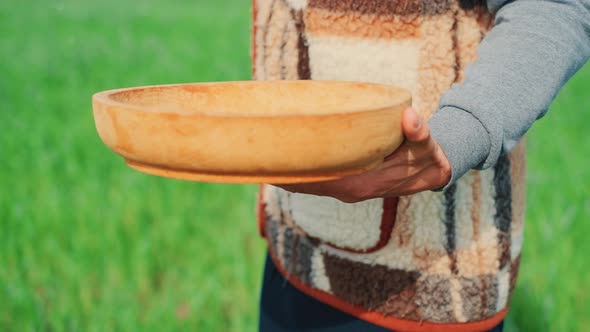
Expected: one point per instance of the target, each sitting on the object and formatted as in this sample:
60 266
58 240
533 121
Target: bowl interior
260 98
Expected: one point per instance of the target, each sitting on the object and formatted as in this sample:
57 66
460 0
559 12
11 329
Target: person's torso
430 258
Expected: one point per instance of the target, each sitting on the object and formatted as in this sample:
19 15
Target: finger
415 129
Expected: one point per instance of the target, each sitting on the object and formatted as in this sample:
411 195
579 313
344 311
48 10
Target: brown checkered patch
374 287
434 298
479 296
387 7
297 255
326 22
281 47
272 231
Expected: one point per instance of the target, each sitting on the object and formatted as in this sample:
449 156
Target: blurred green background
87 244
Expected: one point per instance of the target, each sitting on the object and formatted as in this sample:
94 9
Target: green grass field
87 244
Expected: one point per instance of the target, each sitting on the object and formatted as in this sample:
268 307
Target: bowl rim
104 98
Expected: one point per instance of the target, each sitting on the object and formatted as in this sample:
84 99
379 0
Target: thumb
415 129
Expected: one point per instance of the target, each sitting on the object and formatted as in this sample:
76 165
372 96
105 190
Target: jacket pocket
358 227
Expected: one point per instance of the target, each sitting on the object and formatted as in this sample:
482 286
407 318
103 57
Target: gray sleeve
531 52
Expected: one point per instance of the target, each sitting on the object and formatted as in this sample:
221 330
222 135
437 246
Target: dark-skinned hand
419 164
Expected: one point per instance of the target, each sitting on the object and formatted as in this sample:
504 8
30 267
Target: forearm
534 48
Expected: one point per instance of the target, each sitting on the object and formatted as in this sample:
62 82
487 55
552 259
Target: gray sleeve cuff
463 139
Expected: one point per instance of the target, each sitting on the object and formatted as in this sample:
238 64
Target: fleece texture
319 217
452 256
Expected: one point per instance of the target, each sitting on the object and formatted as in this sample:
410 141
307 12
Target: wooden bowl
252 132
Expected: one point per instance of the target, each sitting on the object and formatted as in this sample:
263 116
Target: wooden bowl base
245 178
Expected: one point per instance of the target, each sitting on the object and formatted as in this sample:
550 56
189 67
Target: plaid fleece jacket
433 261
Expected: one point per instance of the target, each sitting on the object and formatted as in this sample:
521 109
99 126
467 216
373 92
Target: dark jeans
285 308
